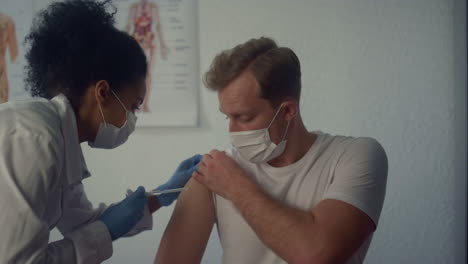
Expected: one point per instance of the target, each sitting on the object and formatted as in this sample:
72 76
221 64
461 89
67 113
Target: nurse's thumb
139 192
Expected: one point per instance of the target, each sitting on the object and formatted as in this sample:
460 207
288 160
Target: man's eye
246 119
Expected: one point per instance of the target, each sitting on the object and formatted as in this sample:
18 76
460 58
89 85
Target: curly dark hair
73 44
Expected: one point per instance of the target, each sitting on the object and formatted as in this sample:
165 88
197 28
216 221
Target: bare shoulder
190 226
195 195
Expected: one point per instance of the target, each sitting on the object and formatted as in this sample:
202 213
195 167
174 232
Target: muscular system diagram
7 42
144 25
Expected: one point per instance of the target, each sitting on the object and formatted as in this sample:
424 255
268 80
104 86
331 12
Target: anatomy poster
15 22
167 32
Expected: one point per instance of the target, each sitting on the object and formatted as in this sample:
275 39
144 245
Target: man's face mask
256 145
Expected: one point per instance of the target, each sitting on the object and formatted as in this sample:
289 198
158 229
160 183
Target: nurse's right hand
123 216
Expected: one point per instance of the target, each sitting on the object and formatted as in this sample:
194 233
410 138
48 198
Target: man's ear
102 92
291 109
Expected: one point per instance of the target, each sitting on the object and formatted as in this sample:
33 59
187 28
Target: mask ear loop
287 126
286 132
102 114
119 100
125 108
274 117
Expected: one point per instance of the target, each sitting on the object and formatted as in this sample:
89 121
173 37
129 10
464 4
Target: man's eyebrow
235 114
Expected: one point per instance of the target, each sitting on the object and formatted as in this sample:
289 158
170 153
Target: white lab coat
41 169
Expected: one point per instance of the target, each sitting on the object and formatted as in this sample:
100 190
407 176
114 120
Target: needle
156 192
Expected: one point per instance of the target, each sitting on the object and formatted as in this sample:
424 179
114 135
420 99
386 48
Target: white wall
391 69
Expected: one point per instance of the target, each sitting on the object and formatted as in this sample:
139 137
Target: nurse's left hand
180 177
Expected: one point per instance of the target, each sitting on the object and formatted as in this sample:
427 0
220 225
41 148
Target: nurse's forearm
153 204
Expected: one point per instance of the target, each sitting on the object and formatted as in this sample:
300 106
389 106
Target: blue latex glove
123 216
180 177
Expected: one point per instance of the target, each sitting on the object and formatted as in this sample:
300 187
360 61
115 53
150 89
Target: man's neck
299 142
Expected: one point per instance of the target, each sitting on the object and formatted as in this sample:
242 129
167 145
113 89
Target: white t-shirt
352 170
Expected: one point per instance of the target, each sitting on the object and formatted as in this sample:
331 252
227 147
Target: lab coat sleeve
29 173
79 222
146 223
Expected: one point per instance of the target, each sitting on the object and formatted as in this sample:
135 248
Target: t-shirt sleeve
229 152
360 177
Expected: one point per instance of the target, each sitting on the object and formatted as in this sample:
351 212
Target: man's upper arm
188 231
350 208
339 230
360 177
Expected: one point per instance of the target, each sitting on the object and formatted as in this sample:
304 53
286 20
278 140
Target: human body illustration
7 40
141 18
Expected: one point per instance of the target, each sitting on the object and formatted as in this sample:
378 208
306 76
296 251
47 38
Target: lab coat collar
75 165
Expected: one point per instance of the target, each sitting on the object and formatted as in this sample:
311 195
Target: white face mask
110 136
256 145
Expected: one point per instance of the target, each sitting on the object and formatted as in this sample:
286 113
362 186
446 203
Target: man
283 194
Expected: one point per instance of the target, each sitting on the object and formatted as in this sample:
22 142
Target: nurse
90 78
